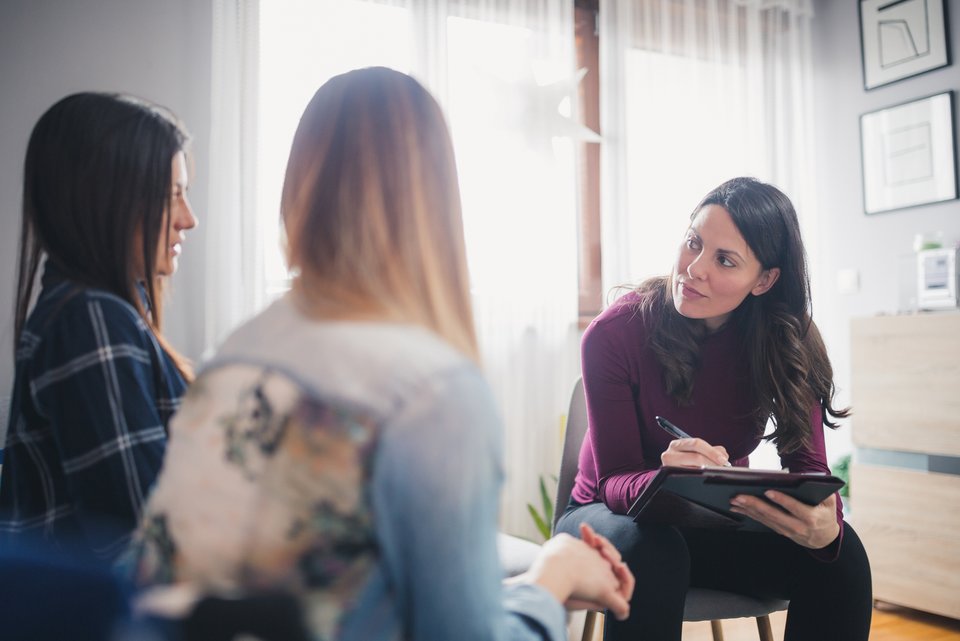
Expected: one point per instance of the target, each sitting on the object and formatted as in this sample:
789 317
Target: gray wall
48 49
879 246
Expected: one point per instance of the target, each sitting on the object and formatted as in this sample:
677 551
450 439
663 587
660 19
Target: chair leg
717 630
589 620
763 626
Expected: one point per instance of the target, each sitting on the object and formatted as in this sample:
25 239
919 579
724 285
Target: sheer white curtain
510 65
504 73
233 279
694 92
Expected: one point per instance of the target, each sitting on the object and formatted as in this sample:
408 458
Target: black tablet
700 497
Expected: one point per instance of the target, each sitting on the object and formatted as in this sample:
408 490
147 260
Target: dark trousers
828 600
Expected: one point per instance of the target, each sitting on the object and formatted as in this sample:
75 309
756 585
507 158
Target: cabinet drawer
909 523
904 388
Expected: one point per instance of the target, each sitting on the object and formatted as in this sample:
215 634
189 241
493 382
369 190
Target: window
503 74
684 138
304 43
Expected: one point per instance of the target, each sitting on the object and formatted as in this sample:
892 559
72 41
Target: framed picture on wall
909 155
901 38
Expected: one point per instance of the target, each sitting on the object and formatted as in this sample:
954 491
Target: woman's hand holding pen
686 451
693 452
812 526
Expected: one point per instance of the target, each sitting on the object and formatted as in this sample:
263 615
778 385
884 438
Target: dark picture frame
909 154
902 38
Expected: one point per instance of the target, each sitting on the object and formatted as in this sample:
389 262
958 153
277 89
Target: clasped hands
584 573
812 526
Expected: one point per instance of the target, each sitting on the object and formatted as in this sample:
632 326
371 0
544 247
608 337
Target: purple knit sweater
624 389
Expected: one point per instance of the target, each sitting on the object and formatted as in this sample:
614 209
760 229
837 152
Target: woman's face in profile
716 269
179 218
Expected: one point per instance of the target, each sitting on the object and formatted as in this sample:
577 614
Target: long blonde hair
371 207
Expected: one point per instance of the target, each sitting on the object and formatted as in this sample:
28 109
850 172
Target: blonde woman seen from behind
343 446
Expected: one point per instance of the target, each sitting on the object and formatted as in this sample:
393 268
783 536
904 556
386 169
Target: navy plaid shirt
88 422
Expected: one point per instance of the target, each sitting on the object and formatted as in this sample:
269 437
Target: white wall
50 48
879 246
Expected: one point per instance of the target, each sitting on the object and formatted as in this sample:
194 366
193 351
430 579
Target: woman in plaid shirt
104 211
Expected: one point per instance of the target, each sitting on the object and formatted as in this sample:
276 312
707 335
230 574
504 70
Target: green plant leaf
841 469
542 526
547 503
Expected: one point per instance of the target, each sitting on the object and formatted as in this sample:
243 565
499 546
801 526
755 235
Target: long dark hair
789 367
97 179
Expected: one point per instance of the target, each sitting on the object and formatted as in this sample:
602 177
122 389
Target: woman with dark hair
105 209
720 346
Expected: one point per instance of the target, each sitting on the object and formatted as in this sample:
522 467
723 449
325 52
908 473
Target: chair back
572 440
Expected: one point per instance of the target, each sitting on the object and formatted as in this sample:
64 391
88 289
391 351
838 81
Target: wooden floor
890 623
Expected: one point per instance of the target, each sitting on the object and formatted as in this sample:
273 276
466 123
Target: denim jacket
354 464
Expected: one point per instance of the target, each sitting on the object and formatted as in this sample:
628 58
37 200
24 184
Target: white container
937 278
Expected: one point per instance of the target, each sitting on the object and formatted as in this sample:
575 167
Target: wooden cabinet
905 484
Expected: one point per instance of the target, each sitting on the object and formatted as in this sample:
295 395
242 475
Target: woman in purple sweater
720 346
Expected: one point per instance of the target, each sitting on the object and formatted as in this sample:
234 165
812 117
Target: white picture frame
908 154
901 38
